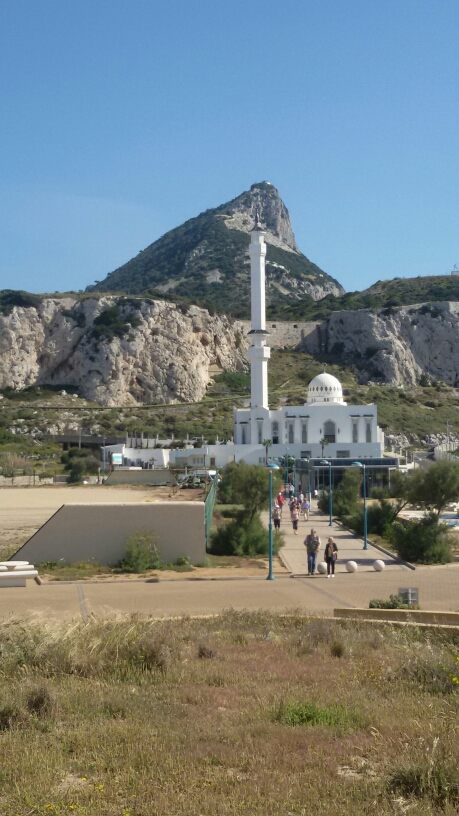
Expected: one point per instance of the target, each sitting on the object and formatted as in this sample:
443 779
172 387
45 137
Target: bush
112 323
378 517
242 538
394 602
331 716
141 553
426 541
345 497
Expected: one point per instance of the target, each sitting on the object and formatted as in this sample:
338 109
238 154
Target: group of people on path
312 544
298 505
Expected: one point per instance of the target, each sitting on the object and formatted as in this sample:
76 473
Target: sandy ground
24 509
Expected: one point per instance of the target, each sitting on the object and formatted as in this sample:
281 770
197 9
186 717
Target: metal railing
209 508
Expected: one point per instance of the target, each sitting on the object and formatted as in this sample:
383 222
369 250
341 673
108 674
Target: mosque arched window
329 431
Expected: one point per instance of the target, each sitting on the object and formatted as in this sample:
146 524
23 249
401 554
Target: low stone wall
158 476
400 615
85 532
283 334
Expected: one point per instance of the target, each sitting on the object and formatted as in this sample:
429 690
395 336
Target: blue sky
120 120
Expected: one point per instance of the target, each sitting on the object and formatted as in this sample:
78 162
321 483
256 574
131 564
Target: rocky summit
206 260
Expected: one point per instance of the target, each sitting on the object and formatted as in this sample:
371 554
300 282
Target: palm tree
267 443
323 442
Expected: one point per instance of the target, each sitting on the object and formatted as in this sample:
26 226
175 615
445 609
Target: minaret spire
258 352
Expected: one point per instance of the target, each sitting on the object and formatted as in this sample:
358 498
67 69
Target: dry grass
237 714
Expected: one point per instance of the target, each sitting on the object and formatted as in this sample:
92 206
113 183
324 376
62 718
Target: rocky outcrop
398 345
157 353
272 211
206 259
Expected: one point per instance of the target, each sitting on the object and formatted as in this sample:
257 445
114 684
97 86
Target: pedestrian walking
277 516
280 502
312 544
331 554
305 508
295 515
291 490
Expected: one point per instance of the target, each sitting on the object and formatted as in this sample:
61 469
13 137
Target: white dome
325 388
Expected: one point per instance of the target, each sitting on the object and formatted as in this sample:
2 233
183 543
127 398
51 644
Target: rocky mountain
117 351
398 345
206 260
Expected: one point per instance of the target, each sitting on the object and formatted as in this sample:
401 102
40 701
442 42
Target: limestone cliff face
163 359
398 345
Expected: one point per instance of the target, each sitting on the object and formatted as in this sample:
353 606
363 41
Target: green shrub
426 540
111 323
240 537
141 553
182 561
394 602
309 713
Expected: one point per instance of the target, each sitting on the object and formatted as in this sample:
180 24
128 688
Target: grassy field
237 714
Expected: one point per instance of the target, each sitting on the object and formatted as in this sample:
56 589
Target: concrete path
438 590
438 587
350 548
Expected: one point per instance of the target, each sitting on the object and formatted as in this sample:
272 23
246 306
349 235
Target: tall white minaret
258 353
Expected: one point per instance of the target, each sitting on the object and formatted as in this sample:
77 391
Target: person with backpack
331 554
312 544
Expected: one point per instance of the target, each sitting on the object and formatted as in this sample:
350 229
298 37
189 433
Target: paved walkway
438 587
350 548
438 590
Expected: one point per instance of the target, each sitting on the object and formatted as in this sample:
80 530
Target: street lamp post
271 467
309 480
365 531
330 490
104 456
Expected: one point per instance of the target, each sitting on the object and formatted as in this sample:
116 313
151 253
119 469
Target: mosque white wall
306 425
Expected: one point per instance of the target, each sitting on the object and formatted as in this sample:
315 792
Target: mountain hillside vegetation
386 294
206 259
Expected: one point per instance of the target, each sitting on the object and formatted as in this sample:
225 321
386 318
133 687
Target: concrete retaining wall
400 615
81 532
160 476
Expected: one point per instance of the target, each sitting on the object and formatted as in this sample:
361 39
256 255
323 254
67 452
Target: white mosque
324 430
324 426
